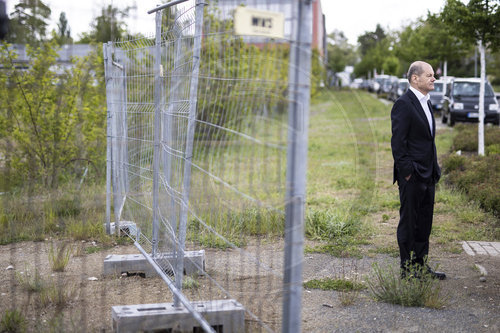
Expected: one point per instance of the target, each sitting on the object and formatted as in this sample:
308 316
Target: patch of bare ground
472 306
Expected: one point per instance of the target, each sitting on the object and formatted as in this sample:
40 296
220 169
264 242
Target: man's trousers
415 219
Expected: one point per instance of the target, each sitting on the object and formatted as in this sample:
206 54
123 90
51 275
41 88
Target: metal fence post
156 130
168 132
193 99
108 138
299 95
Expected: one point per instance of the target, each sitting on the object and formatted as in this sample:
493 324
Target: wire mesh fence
207 137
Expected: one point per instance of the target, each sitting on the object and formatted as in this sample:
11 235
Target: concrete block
127 228
194 263
223 315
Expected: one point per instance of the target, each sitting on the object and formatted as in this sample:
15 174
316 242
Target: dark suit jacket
413 145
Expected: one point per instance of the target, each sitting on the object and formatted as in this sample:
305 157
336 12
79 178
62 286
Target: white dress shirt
423 99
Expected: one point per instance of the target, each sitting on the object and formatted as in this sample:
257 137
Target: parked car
398 89
387 85
357 83
437 95
461 102
377 82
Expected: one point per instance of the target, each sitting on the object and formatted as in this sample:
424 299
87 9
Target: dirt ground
472 305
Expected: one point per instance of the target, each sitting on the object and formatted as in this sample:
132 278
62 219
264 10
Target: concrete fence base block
126 228
223 315
194 263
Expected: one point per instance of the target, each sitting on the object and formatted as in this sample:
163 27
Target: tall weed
59 256
386 285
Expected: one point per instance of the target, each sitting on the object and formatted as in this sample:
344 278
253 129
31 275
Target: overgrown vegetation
221 229
61 213
416 289
52 120
477 176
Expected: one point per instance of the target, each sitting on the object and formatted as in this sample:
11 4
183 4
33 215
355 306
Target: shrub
478 177
454 162
466 140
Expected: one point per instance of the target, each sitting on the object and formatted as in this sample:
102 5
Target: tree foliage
63 30
28 24
51 118
377 53
479 20
340 52
109 26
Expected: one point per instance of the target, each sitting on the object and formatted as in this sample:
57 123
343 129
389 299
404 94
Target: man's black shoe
435 274
418 274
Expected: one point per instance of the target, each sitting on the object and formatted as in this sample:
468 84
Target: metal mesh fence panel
203 130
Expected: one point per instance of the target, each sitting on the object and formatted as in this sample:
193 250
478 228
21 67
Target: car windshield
403 85
438 87
471 89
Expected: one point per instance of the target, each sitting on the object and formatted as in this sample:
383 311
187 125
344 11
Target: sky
353 17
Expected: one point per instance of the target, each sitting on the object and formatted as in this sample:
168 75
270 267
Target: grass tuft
386 285
334 284
189 282
13 321
30 282
58 294
59 256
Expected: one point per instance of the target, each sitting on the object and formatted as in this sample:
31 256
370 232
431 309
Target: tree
478 22
109 26
63 30
369 40
379 56
28 24
340 52
53 117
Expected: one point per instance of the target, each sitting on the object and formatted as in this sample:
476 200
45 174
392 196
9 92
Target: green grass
349 138
50 213
221 228
334 284
350 179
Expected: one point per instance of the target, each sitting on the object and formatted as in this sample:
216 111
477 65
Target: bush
478 177
454 163
466 139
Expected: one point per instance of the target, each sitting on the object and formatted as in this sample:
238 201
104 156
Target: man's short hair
416 68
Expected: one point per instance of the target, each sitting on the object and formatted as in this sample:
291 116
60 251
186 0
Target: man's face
425 81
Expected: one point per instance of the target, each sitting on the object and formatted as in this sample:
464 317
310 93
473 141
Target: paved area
481 248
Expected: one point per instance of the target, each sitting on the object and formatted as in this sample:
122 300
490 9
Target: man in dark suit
415 167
